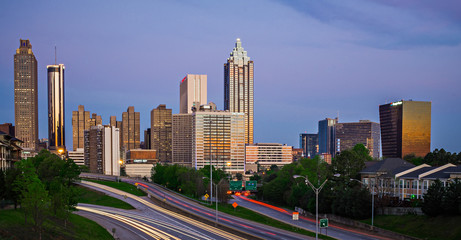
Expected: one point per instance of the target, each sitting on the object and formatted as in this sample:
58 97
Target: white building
102 150
267 154
78 156
192 92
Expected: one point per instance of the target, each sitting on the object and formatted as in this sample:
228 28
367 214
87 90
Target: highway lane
256 229
154 221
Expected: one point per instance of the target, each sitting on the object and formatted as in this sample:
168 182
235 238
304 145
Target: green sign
235 186
250 185
324 222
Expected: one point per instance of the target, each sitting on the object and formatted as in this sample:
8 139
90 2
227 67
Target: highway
150 221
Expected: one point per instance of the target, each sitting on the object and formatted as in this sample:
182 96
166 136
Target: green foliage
94 197
441 157
452 199
352 202
433 199
256 177
123 186
350 162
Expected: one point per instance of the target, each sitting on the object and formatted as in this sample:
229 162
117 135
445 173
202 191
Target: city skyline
323 69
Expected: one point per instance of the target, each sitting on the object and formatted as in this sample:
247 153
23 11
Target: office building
139 162
56 107
405 128
218 137
182 139
25 96
7 128
192 92
78 156
363 132
82 121
115 123
130 129
267 154
238 87
160 126
327 136
309 143
102 154
147 139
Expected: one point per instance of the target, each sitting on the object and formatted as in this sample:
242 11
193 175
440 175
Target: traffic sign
235 186
207 196
234 204
324 222
295 215
250 185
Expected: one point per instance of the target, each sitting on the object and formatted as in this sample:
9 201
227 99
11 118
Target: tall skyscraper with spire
238 87
56 111
25 96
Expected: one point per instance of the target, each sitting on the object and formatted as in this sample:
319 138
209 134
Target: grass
437 228
248 214
12 227
126 187
94 197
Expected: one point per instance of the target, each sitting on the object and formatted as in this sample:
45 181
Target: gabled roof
388 167
443 173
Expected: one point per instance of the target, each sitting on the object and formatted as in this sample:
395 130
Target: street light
216 199
317 191
372 199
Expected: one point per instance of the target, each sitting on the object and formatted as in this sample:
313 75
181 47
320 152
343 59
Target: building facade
238 87
102 154
25 96
182 139
405 128
139 162
327 137
147 139
309 143
365 132
82 121
78 156
56 107
130 129
7 128
161 127
267 154
192 92
218 137
10 150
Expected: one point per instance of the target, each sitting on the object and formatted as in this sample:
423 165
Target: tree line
43 186
435 158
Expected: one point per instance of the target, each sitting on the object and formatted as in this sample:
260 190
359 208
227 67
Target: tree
348 164
433 199
239 176
452 199
36 203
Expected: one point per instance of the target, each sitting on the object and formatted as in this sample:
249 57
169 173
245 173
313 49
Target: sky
312 59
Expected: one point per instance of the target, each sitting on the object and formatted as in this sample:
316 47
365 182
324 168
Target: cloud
389 24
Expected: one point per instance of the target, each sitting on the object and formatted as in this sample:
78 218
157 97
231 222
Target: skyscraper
327 136
25 96
192 92
405 128
56 111
182 139
309 143
102 152
238 87
81 121
160 126
365 132
130 129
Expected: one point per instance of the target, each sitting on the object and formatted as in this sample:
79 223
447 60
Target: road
149 221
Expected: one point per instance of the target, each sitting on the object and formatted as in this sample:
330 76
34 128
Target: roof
445 173
388 166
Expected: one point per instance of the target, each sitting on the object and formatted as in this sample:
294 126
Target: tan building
238 87
25 96
78 156
182 139
130 129
102 154
405 128
139 162
267 154
192 92
82 121
160 126
218 137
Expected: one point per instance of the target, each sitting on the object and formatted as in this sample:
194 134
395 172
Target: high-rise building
309 143
102 152
25 96
267 154
130 129
160 126
405 128
238 87
218 137
56 110
192 92
82 121
115 123
78 156
327 136
182 139
365 132
147 139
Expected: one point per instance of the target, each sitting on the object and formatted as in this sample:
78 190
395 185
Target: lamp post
372 199
216 199
317 191
211 165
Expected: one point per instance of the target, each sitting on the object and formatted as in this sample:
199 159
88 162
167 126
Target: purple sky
313 59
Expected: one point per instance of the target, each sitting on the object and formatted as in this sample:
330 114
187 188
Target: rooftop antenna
337 115
55 55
